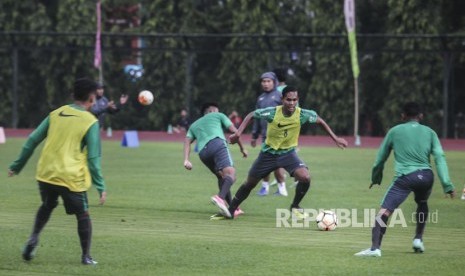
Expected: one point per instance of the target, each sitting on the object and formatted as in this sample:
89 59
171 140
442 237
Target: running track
305 140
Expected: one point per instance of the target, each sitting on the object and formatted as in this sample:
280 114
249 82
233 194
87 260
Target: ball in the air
145 97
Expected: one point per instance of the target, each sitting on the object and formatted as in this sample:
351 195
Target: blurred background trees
215 50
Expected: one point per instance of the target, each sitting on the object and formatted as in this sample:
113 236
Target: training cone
109 132
2 136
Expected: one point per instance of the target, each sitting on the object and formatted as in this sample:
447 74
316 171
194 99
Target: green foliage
48 64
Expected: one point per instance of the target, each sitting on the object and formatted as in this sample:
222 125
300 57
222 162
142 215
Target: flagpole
98 46
349 14
356 113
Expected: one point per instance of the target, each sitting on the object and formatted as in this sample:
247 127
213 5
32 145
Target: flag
349 13
98 50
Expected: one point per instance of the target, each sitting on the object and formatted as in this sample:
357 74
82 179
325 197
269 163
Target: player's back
412 144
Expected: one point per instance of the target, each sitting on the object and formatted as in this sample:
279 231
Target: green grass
156 220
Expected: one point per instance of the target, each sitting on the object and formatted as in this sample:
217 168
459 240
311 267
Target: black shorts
267 162
74 202
216 156
419 182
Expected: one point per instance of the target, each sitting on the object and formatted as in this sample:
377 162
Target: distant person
412 144
68 164
270 97
103 106
278 150
183 123
235 118
214 153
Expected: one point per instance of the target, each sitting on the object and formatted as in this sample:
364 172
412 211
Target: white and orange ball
145 97
326 220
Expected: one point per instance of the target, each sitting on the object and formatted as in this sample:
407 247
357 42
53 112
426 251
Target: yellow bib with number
283 132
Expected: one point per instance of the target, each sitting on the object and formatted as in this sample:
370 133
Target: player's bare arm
187 151
244 152
234 138
340 142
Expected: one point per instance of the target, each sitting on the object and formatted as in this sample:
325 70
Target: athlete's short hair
412 109
205 106
83 87
288 89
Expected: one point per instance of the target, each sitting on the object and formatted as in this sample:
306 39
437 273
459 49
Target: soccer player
68 164
214 153
270 97
413 144
278 150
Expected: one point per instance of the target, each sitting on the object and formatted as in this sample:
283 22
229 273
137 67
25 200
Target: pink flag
98 51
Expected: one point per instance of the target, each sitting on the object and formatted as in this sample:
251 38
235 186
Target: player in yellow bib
68 164
278 150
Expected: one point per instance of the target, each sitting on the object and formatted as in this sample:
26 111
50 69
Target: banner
349 13
98 51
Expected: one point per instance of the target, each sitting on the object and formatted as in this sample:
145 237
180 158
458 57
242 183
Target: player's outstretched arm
340 142
187 151
234 138
244 152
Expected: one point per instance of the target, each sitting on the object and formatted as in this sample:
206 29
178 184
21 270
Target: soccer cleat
217 217
369 253
87 260
463 195
30 249
238 212
263 191
298 213
282 191
418 246
220 203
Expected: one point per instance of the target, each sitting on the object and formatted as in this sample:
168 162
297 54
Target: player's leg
377 232
49 199
396 194
265 189
297 169
263 165
76 203
280 175
422 186
220 161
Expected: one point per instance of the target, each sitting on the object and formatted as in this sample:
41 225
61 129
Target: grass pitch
156 220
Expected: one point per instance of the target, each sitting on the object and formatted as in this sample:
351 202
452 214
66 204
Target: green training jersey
413 144
208 127
283 132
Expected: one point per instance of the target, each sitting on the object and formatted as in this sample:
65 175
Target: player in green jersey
214 153
278 150
413 144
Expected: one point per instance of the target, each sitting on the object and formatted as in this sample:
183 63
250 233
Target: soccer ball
145 97
326 220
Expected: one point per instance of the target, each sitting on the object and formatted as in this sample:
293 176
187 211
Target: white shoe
369 253
418 246
220 203
282 189
463 196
